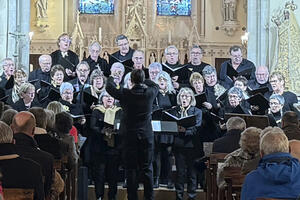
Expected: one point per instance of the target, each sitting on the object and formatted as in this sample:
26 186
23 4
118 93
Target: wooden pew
211 175
234 180
18 194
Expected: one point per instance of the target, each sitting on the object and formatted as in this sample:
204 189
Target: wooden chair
211 175
18 194
234 180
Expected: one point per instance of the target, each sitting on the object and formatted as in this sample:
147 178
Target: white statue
41 9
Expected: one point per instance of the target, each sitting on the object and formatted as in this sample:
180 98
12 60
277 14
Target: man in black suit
65 57
124 55
23 126
18 172
136 128
42 73
230 141
95 61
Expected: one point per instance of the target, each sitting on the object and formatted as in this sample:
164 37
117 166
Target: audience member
18 172
23 126
278 173
230 141
290 125
8 116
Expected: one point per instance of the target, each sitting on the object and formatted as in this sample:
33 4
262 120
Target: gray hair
24 87
126 79
103 93
138 51
190 92
278 97
171 47
83 63
196 47
121 37
274 141
167 77
237 91
155 65
6 59
6 134
44 57
117 65
235 123
55 106
65 86
95 43
208 69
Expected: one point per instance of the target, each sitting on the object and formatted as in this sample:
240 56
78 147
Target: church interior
267 32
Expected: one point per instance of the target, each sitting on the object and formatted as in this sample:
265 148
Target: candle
169 38
100 34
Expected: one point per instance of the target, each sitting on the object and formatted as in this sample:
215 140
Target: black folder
200 99
231 72
178 71
260 101
128 63
53 95
188 121
89 99
67 63
157 114
10 83
261 90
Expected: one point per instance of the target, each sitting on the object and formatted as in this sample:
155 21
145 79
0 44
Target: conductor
136 129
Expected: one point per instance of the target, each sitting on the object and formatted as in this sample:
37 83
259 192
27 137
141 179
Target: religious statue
230 10
152 57
41 8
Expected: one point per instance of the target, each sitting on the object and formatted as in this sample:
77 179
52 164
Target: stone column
14 29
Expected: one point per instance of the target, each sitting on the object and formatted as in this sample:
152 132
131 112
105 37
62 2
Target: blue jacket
277 176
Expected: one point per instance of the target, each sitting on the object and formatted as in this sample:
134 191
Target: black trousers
138 154
105 167
184 161
162 151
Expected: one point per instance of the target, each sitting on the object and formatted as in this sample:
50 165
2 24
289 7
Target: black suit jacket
103 65
136 104
20 106
27 147
20 172
228 143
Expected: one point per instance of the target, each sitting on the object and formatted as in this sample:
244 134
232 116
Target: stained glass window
96 6
174 7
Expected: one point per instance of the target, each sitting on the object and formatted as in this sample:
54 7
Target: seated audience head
64 42
138 59
123 44
94 50
236 55
274 141
117 71
127 81
249 141
83 71
50 120
277 82
186 98
6 134
45 62
197 82
262 74
295 148
20 77
8 116
241 82
235 96
276 103
137 76
289 118
57 74
196 55
171 55
235 123
27 92
210 75
8 66
66 91
154 69
63 122
97 79
163 80
56 107
40 116
24 122
106 99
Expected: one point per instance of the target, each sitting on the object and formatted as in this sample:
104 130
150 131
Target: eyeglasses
195 53
138 58
67 93
172 54
274 104
274 81
184 96
124 44
233 96
65 40
83 71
